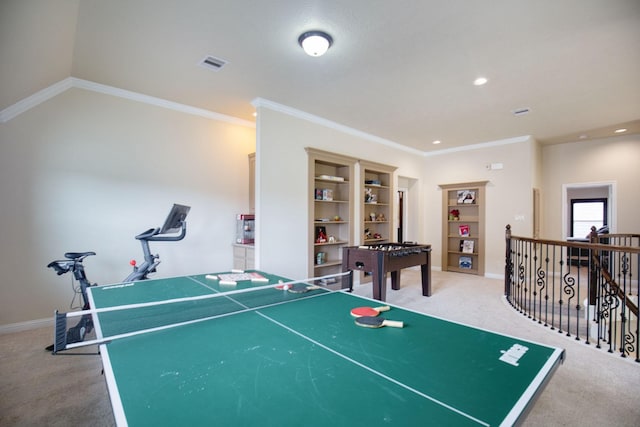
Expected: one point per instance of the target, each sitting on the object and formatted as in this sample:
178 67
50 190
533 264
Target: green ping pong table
254 354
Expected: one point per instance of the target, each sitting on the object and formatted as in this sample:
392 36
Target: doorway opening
406 211
586 205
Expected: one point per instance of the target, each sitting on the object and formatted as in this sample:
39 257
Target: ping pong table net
102 325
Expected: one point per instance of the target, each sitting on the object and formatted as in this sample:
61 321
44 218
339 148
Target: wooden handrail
612 283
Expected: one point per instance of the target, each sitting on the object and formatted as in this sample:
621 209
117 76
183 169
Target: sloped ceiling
37 39
401 71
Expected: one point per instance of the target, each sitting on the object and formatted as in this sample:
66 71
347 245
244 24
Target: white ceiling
399 70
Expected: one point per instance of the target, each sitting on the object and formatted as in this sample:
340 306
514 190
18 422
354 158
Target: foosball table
387 258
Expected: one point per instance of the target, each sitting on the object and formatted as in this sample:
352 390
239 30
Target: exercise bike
175 222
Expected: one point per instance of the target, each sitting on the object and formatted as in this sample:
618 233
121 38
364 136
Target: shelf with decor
463 207
377 202
331 210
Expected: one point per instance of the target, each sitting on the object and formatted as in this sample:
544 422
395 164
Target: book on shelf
466 246
323 194
463 230
465 263
330 178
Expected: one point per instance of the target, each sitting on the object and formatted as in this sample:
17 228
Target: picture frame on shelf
466 197
466 246
321 235
465 263
463 230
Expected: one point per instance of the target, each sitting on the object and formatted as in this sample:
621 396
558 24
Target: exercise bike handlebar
151 261
153 235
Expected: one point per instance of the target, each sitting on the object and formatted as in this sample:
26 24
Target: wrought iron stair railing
588 291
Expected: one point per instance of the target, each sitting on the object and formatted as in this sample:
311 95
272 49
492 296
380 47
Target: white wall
85 171
600 160
508 193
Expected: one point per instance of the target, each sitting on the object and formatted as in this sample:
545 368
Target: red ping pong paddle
300 288
368 311
377 322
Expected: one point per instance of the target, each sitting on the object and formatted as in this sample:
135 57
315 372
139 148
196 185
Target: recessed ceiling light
621 130
436 142
583 136
480 81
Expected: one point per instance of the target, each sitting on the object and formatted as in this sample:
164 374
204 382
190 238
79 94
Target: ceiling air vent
213 63
521 111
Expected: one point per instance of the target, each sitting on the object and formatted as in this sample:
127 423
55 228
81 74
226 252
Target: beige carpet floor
591 388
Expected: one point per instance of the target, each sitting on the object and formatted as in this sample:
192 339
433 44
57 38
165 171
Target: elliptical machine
175 222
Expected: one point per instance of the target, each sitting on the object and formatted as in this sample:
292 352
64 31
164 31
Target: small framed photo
466 197
321 235
466 246
465 263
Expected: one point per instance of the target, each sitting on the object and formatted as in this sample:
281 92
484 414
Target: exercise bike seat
77 255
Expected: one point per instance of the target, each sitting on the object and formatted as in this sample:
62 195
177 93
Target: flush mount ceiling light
315 43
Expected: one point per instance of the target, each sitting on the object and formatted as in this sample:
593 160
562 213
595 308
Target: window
587 213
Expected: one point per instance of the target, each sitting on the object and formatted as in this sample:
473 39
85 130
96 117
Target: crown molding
158 102
265 103
72 82
479 146
34 100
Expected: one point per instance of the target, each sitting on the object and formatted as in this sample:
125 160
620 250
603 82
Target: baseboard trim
26 326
